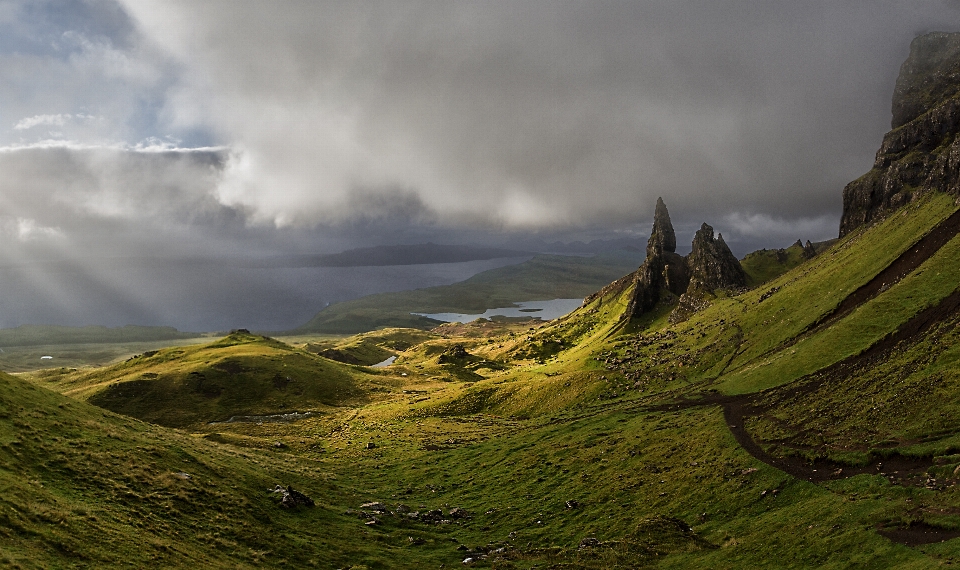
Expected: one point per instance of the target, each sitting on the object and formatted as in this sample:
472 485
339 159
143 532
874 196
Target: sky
137 128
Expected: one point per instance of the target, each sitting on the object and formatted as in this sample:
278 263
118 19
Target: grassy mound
239 375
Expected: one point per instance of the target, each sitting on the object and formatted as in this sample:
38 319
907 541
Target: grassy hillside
765 264
85 488
543 277
807 423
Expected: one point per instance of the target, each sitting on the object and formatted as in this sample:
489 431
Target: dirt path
897 468
904 265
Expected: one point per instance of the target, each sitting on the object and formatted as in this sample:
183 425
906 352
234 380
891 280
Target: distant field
541 278
28 358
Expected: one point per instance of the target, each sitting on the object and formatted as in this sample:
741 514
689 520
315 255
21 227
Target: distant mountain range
416 254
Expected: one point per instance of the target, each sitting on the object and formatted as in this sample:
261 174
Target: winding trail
898 468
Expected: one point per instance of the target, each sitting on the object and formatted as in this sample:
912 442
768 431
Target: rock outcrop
666 275
712 265
922 152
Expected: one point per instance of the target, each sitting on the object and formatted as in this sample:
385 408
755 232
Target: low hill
239 375
83 487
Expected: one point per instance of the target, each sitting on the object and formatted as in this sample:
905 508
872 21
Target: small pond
543 310
385 363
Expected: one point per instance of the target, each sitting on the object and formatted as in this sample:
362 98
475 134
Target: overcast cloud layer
131 128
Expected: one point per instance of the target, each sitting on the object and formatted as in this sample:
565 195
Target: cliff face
922 152
710 266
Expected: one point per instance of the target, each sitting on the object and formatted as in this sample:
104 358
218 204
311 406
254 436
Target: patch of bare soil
917 534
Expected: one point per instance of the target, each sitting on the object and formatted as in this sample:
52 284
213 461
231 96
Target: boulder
589 543
291 498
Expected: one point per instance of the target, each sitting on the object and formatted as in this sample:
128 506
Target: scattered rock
291 498
589 543
375 506
572 504
458 513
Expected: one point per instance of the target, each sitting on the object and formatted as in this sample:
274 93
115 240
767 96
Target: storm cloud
539 114
217 128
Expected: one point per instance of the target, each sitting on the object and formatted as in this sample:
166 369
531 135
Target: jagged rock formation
712 264
665 274
922 152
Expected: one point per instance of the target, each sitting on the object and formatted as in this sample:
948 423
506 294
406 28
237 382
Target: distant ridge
418 254
381 255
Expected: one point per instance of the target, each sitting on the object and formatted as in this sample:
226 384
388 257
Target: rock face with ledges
922 152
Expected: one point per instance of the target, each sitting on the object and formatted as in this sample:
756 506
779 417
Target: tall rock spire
712 264
662 238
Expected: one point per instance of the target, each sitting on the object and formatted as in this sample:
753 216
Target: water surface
543 310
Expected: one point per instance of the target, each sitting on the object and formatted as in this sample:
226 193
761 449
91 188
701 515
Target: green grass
934 280
763 265
533 416
367 348
242 374
29 358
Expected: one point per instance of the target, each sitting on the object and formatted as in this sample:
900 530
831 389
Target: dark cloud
232 128
543 114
